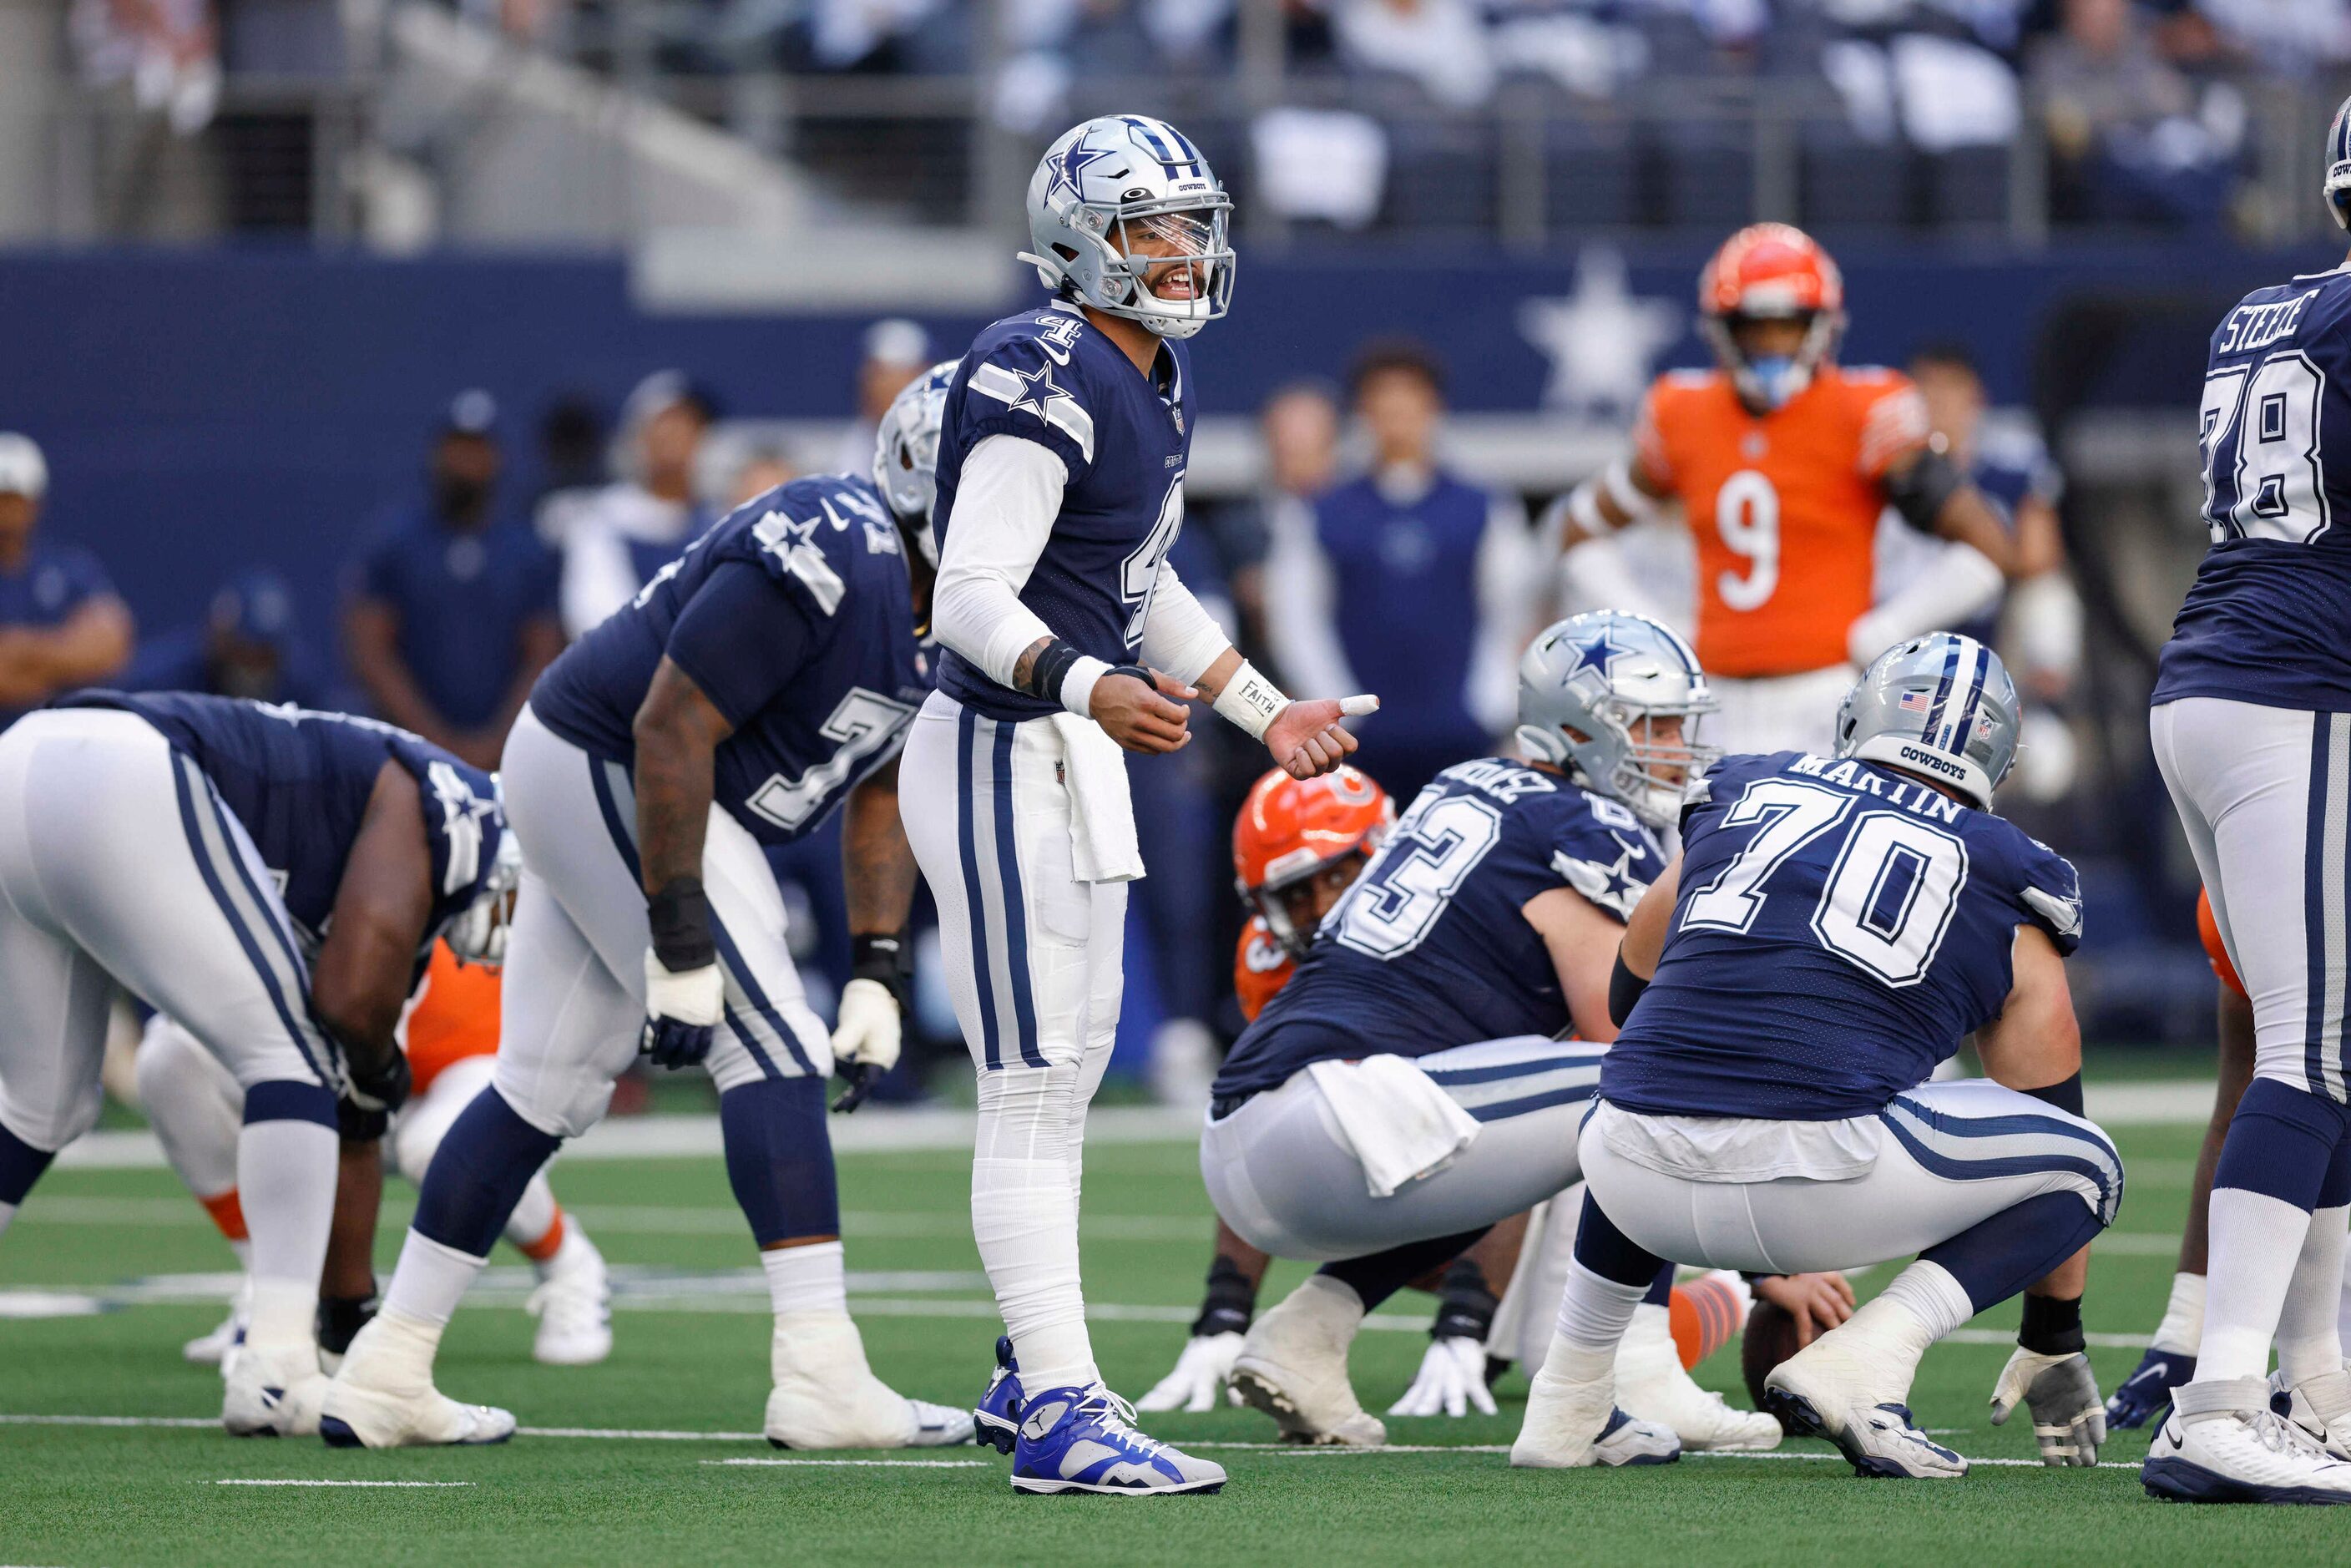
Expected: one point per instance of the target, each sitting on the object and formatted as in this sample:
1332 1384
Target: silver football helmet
1942 707
1123 208
1593 690
477 933
2337 186
906 453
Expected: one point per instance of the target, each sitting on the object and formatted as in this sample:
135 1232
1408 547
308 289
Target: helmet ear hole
1065 252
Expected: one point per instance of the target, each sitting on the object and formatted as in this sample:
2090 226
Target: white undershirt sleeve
1180 636
1005 504
1508 585
1300 624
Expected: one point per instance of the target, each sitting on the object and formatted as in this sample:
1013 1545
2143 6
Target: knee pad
2286 1143
779 1158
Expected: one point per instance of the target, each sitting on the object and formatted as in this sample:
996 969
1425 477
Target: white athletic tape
1356 708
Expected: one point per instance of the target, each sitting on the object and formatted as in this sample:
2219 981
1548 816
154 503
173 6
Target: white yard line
280 1482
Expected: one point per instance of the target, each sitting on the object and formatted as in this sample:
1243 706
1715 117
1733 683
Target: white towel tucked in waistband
1101 812
1399 1123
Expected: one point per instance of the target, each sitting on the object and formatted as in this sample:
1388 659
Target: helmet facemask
1288 905
1166 263
1654 769
1767 383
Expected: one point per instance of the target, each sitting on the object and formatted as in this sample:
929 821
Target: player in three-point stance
1407 1089
1830 932
1782 461
760 680
273 879
2251 724
1060 491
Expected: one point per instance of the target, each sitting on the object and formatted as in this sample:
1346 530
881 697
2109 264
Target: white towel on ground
1101 812
1400 1126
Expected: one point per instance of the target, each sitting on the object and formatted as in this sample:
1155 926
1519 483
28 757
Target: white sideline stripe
284 1482
660 1437
864 1463
884 1129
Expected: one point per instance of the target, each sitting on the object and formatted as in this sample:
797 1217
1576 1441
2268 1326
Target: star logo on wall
1602 339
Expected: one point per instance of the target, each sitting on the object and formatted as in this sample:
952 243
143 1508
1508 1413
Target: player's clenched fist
1142 709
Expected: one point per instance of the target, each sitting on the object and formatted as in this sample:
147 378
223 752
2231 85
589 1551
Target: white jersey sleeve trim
1180 636
1005 504
1042 397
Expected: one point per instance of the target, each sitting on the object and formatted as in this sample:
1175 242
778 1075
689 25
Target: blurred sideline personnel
1060 481
1408 544
763 678
449 1032
273 881
245 647
891 353
1782 461
2250 718
450 612
1829 934
1298 429
62 625
614 539
1297 847
2170 1357
1410 1088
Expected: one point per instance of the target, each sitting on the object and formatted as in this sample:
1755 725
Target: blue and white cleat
1852 1386
2222 1443
996 1419
1573 1421
1084 1440
2145 1395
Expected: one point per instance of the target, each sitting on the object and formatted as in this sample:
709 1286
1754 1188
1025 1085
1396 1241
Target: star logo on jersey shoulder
1037 391
1599 654
1069 166
1612 886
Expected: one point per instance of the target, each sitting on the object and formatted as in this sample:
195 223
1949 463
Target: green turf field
634 1480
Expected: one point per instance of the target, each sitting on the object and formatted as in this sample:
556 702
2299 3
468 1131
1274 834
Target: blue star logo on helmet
1069 166
1599 654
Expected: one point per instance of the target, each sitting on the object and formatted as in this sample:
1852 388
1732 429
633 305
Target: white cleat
826 1396
1293 1366
1847 1388
273 1393
1573 1421
1651 1386
573 1304
2320 1405
383 1396
213 1349
2221 1442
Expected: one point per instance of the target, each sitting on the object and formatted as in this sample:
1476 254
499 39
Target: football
1771 1339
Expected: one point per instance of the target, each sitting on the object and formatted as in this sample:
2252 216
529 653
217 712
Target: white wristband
1077 685
1637 504
1584 511
1251 701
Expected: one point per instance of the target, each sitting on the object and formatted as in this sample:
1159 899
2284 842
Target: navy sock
1661 1293
779 1158
2287 1143
485 1159
1613 1255
21 1166
1382 1274
290 1100
1994 1259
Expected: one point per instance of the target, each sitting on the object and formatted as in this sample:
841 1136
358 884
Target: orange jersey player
1782 461
1296 848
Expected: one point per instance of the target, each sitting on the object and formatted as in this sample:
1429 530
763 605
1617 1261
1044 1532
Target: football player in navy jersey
1061 490
1407 1089
759 681
2251 724
1831 931
273 879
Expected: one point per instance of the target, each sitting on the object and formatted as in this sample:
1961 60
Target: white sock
2256 1243
286 1183
2182 1328
1594 1314
1933 1297
2307 1344
806 1279
1024 1217
531 1217
430 1281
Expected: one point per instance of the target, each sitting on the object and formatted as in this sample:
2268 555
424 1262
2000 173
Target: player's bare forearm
360 981
1645 933
349 1272
1251 1262
1222 668
677 731
2066 1281
2235 1023
1969 518
877 862
2036 1041
1024 668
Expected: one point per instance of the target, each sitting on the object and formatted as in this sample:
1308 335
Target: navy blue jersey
299 780
1839 928
1049 377
795 617
2268 619
1430 949
1409 561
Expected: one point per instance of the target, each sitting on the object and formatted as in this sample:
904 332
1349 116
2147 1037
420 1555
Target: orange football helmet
1770 272
1291 831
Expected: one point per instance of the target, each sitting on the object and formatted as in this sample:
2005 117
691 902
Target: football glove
2145 1394
1451 1379
2068 1420
1201 1380
371 1095
873 1007
681 1006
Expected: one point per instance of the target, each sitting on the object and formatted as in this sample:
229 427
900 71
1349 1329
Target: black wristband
1922 491
1464 1307
2051 1327
1230 1303
680 917
2066 1096
1625 988
1045 671
882 958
